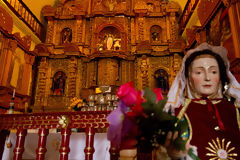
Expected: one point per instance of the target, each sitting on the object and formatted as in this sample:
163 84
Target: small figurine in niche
206 94
155 36
117 45
66 35
58 84
162 80
109 42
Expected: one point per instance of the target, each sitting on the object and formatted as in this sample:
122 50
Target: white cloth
77 145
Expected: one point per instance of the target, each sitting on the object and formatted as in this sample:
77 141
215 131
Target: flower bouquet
140 120
76 104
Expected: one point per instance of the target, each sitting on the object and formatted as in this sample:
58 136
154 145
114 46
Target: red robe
210 141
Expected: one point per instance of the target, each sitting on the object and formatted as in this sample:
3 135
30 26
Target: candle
13 93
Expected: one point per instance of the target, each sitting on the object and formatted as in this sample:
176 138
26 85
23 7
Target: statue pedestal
128 154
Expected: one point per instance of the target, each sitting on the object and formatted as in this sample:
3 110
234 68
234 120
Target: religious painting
109 39
161 80
66 35
58 83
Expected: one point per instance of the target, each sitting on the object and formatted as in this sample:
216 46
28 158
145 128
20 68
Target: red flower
158 93
136 110
128 94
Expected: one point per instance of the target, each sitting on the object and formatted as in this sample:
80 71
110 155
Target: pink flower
137 109
127 94
158 93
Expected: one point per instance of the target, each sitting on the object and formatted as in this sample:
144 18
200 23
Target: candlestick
13 93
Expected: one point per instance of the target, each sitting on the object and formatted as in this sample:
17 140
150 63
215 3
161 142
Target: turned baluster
89 149
41 150
19 148
114 152
64 149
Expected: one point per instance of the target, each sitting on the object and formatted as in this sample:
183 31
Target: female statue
207 95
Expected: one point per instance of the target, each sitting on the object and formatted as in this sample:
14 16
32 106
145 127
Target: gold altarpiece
92 43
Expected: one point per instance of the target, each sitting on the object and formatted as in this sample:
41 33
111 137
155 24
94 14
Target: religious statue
155 36
66 35
117 44
109 42
58 84
207 95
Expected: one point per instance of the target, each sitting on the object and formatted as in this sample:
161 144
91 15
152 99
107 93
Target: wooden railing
25 14
90 121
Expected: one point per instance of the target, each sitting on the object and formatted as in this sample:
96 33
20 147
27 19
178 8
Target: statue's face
204 76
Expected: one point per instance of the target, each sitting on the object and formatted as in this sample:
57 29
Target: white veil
176 93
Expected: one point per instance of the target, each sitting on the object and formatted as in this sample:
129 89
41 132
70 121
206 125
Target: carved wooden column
64 149
19 148
144 71
173 26
41 150
138 9
27 68
79 28
6 58
234 18
41 90
141 28
50 30
89 149
72 77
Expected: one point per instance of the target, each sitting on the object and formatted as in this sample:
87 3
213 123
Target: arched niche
110 37
155 33
161 79
58 83
66 35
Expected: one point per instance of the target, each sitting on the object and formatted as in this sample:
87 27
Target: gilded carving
140 5
107 42
50 30
144 71
79 30
108 71
228 3
6 20
41 86
72 76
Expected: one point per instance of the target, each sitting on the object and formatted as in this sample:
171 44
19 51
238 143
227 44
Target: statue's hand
172 151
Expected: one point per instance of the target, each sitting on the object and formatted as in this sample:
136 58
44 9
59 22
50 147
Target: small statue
109 42
66 35
117 45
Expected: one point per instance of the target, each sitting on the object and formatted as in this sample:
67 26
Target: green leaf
150 96
147 107
164 116
192 155
161 104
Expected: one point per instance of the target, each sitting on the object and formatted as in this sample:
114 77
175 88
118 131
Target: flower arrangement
140 120
76 104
